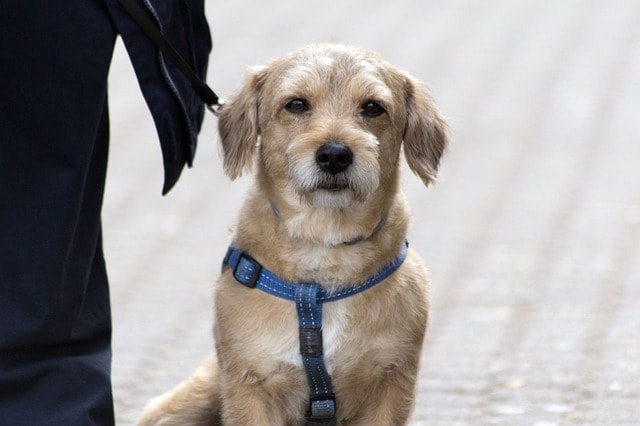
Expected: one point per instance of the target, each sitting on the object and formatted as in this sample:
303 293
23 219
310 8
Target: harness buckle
310 341
322 409
247 270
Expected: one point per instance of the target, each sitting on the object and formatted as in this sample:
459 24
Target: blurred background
532 234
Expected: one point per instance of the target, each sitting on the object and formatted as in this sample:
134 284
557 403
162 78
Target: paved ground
532 234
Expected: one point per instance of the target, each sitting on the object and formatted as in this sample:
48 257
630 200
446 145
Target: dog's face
331 120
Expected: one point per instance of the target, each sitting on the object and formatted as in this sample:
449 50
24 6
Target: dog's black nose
334 158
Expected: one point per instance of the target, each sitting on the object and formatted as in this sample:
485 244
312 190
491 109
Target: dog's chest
335 330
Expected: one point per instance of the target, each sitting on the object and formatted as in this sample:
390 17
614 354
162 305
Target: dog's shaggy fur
304 205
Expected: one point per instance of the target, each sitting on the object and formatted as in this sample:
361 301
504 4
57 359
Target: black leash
204 92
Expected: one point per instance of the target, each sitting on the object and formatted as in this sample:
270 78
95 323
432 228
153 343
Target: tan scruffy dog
321 129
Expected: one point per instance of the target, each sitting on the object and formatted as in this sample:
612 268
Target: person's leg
55 322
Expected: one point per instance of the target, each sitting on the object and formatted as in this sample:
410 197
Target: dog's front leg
250 400
394 406
245 405
385 401
262 381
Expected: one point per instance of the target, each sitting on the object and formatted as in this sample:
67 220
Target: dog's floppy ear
238 124
425 137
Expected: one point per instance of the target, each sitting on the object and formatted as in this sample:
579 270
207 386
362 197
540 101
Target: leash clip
215 108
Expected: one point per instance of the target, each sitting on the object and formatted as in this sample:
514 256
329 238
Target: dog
321 129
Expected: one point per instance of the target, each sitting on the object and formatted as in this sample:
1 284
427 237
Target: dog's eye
297 106
372 109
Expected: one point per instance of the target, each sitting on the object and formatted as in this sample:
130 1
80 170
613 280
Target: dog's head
327 122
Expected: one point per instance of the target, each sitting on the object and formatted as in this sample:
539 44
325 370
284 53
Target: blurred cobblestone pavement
532 234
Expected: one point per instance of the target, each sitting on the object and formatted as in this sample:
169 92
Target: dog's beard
325 190
330 199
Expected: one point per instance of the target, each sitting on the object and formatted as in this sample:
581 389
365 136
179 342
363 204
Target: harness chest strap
309 299
322 401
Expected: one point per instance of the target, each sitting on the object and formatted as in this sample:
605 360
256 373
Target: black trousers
55 321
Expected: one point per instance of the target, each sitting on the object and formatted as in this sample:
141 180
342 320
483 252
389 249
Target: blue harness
309 299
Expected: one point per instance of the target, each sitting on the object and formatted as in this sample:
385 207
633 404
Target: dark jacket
176 109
